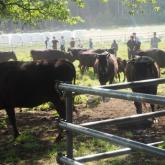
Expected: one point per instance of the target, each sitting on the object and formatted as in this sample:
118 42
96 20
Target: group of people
73 43
62 43
55 43
134 44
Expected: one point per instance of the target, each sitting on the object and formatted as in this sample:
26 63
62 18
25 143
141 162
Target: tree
34 11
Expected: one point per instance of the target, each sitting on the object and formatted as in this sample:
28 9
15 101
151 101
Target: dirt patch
41 125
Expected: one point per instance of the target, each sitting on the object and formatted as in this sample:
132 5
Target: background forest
95 15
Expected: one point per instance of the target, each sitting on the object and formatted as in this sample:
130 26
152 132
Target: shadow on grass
36 142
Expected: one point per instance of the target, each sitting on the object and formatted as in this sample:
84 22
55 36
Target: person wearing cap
137 42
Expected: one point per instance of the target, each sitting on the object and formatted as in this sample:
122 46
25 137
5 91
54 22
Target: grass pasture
37 146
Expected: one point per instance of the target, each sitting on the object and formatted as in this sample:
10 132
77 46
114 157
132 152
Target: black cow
142 68
29 84
157 54
7 56
106 68
50 55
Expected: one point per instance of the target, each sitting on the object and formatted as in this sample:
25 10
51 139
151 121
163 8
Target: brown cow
7 56
50 55
142 68
29 84
87 57
106 68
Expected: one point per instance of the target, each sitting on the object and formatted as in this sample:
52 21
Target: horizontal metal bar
105 155
134 84
109 137
140 97
68 161
127 119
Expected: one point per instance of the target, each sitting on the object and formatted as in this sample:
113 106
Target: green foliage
45 107
139 7
80 99
163 144
3 123
36 11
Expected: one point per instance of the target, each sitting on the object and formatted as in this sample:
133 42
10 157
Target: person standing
114 46
79 44
131 47
137 42
90 43
154 41
54 43
72 43
46 42
62 44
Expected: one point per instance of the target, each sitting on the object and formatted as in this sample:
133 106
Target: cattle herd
28 84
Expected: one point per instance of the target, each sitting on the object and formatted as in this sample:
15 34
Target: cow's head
102 67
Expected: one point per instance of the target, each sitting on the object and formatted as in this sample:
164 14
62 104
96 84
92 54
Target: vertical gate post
69 113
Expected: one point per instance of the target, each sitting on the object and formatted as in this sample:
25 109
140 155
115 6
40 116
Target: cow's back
142 68
27 84
50 55
157 54
7 56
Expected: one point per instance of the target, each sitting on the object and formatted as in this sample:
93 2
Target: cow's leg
124 76
82 69
11 115
152 107
154 92
86 69
154 119
111 79
138 106
59 104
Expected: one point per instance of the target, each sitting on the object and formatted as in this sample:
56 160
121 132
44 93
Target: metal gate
109 91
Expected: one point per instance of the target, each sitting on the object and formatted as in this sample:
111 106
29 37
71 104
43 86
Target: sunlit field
33 148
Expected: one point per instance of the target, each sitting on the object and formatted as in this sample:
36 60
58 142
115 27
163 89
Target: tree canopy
34 11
